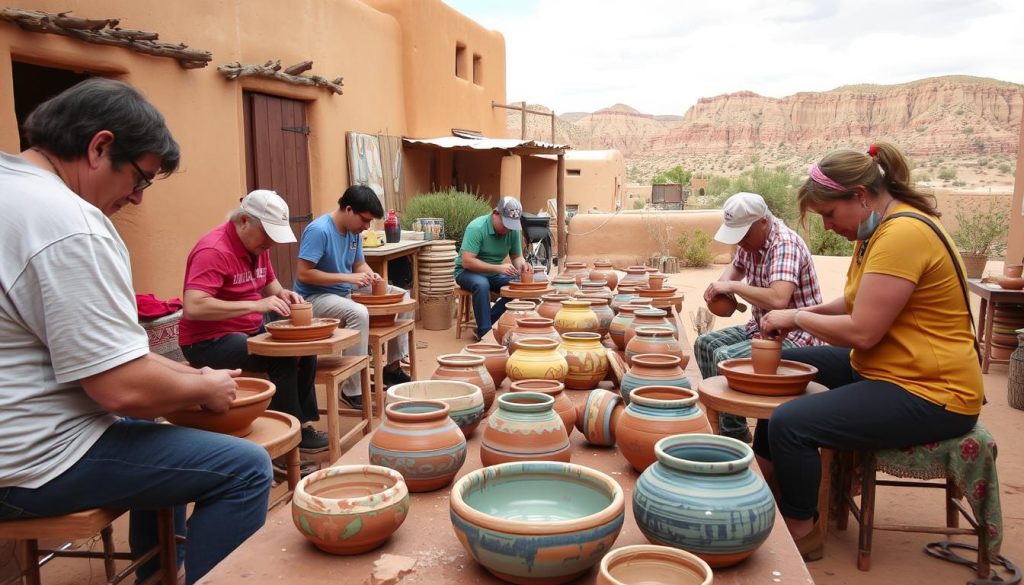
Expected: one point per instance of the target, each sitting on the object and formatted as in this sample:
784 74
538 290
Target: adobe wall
538 185
593 179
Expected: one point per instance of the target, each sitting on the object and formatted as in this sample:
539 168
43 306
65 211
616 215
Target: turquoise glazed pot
465 400
537 521
701 496
653 369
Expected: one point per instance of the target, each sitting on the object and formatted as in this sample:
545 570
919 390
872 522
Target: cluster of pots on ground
695 491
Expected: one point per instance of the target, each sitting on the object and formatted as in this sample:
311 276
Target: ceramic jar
466 401
635 275
653 370
651 339
595 289
302 314
588 362
618 326
540 273
622 298
604 313
702 485
514 311
649 317
577 270
653 413
563 407
606 272
460 367
576 316
551 304
419 440
765 355
565 285
598 416
524 428
654 281
537 359
495 356
530 327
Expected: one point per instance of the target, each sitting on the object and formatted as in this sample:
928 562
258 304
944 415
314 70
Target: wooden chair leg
952 495
333 418
412 353
31 550
846 467
107 538
367 400
293 464
168 543
867 513
378 355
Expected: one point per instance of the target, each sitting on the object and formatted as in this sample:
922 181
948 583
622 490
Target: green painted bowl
537 521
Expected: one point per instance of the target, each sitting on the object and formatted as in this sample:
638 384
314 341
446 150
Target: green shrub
676 174
639 204
1005 168
457 208
947 173
982 231
823 242
695 248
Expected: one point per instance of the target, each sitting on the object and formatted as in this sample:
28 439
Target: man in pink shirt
230 286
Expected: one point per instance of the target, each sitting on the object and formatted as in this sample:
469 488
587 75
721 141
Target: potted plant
456 208
981 234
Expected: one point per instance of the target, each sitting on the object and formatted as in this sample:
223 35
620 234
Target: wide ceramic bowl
350 509
537 521
252 396
644 564
465 400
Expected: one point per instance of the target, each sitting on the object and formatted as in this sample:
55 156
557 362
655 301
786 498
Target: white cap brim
282 234
732 235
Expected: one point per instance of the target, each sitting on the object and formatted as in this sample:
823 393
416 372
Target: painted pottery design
350 509
565 285
302 314
252 396
701 496
599 306
622 298
495 356
524 428
551 304
656 412
465 401
537 327
649 317
655 339
537 521
588 363
618 326
514 311
598 416
604 271
653 370
563 406
765 355
537 359
576 316
651 563
635 275
577 270
461 367
419 440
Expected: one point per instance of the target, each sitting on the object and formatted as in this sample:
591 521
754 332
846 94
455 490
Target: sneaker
396 376
281 468
313 441
355 401
744 436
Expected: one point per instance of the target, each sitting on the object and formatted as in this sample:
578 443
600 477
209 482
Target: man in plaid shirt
779 274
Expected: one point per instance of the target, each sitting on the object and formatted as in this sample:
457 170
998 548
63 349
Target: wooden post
552 126
522 122
563 244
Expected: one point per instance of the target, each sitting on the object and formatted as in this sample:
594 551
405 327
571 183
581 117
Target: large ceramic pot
565 285
619 325
350 509
656 412
514 311
537 521
252 396
702 485
652 564
599 305
598 416
577 270
563 407
524 428
649 318
550 305
495 356
653 339
588 362
537 359
460 367
606 272
595 289
418 439
653 370
465 401
576 316
635 275
538 327
622 298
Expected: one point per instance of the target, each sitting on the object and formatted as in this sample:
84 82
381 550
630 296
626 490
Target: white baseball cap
740 211
272 211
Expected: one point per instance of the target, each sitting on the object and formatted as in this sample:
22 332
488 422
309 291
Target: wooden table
379 257
990 294
533 295
339 341
279 554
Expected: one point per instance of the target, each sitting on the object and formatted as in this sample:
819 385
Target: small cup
379 287
654 281
765 355
302 314
526 277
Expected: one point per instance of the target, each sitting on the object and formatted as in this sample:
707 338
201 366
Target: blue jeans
480 286
145 466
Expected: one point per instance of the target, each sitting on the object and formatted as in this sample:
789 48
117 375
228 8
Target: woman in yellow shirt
901 363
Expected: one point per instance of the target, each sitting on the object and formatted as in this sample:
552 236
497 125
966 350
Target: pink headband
822 179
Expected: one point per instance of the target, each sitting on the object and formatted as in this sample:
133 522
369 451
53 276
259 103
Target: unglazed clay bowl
252 395
647 564
465 400
537 521
722 305
350 509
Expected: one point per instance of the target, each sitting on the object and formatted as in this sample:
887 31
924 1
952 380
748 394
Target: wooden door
277 158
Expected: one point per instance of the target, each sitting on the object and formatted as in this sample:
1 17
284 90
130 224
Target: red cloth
151 307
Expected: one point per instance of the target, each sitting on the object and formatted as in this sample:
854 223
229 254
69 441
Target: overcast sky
660 56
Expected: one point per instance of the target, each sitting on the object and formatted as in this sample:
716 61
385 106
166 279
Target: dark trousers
856 413
480 286
293 376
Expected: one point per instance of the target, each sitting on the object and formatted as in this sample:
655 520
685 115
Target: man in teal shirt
481 267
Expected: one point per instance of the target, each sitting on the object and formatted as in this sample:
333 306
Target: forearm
519 262
831 328
213 309
478 265
836 306
317 277
147 387
765 298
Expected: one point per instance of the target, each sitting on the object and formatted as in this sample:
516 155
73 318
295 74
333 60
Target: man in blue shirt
332 267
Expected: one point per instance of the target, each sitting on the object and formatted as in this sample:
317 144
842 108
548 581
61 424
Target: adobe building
594 180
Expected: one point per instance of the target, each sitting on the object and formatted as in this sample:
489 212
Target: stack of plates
1006 320
437 268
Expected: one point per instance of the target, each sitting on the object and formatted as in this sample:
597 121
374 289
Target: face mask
868 226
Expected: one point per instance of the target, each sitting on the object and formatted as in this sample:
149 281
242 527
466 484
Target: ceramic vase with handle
466 368
524 428
656 412
418 439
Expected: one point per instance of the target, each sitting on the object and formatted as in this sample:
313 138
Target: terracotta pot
604 313
653 370
606 272
252 396
635 275
379 288
722 305
765 355
588 362
526 278
524 428
598 416
460 367
656 412
514 311
350 509
565 285
532 327
1013 270
465 401
540 273
649 318
655 339
577 270
618 326
595 289
302 314
495 356
622 298
563 407
550 305
650 563
538 359
654 281
418 439
576 316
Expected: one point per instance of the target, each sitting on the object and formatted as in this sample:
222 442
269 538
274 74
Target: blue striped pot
653 369
701 496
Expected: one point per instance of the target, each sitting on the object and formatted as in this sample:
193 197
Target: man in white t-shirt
73 359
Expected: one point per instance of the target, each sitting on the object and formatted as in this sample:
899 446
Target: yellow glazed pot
537 358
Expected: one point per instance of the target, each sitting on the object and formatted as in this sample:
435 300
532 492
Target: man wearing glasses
332 267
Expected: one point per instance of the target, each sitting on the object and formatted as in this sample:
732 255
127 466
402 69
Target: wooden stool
377 346
86 524
464 318
331 372
279 434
